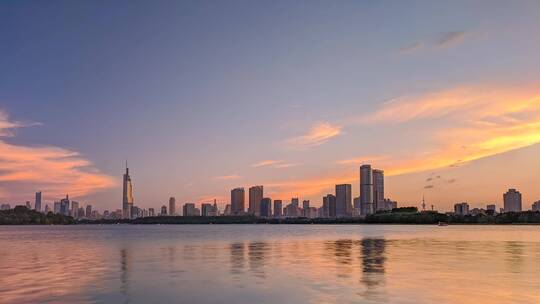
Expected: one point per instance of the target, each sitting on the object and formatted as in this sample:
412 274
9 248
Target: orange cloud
228 177
317 135
55 171
465 124
273 164
265 163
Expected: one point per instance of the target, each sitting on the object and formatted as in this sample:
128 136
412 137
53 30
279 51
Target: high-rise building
461 209
216 210
266 207
37 203
75 209
238 198
343 200
57 208
88 211
294 201
163 210
255 198
208 209
512 201
330 201
64 205
189 209
151 212
366 189
127 199
278 208
536 206
28 205
378 190
172 206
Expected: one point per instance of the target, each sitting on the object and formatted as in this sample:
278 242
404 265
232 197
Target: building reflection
125 269
514 256
238 257
341 252
373 260
257 253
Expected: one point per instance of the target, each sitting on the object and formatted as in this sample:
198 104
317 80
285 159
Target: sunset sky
204 96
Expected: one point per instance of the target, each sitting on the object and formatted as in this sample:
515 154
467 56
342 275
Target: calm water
270 264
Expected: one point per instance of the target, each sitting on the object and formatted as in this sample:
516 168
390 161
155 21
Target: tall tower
37 203
378 190
343 200
237 201
127 199
366 189
255 198
172 206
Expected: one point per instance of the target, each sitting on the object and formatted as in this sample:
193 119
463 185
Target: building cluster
339 204
512 202
68 207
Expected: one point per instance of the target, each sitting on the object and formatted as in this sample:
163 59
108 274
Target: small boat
443 224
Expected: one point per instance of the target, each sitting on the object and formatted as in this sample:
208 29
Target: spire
423 203
127 169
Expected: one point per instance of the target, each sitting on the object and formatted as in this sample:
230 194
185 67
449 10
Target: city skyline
291 97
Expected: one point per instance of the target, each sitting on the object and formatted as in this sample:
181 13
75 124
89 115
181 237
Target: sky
204 96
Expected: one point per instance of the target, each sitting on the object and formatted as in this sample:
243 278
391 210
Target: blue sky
196 94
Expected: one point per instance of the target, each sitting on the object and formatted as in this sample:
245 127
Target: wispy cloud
440 40
273 164
55 171
317 135
362 160
451 38
228 177
266 163
465 124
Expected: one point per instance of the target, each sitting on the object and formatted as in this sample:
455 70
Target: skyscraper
366 189
64 205
343 200
238 197
89 211
330 200
37 203
278 208
266 207
163 210
255 198
127 199
378 190
190 210
75 209
172 206
207 209
512 201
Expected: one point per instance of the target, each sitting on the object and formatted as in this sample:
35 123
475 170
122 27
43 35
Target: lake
269 264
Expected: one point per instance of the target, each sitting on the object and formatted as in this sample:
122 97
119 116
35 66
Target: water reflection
373 260
125 268
257 253
331 265
514 256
